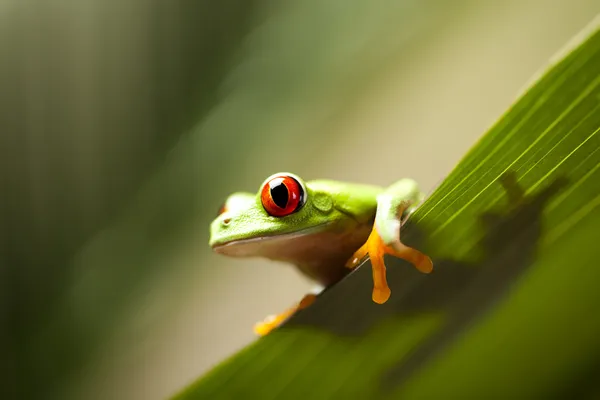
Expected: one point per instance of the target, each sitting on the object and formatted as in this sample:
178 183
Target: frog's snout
223 220
218 229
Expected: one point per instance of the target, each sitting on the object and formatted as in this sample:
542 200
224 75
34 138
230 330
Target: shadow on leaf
460 291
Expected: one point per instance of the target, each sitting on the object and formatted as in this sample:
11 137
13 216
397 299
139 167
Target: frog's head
284 208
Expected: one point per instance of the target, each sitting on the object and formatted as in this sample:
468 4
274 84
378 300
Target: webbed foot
393 207
376 249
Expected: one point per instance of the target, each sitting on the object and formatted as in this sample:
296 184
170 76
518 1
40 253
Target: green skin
320 237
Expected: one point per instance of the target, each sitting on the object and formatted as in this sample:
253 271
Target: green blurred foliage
125 122
81 132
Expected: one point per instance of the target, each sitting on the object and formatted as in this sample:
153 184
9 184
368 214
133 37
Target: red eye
222 209
282 195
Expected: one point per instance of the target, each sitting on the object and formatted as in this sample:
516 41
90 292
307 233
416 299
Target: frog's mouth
265 244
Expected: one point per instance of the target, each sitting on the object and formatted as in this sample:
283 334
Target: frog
325 228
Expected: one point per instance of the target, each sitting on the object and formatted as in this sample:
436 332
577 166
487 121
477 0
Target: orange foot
273 321
375 248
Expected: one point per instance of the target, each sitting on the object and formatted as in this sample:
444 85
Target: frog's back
353 199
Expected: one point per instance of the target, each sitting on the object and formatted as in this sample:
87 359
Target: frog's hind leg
273 321
396 203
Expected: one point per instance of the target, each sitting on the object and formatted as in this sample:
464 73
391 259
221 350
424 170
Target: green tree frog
323 227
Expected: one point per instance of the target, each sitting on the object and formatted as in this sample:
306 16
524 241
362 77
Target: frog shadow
462 291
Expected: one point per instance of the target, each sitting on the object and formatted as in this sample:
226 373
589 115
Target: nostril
226 221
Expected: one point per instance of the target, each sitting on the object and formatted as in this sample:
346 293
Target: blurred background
125 124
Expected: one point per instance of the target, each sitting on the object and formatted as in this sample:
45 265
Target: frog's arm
396 201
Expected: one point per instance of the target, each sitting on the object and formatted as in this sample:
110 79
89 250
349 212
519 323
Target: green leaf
511 309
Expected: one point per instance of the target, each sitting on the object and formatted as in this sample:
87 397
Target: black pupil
279 194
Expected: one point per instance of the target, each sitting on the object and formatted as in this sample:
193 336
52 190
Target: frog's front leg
273 321
397 201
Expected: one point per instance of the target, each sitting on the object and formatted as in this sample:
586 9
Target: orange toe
271 322
421 262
